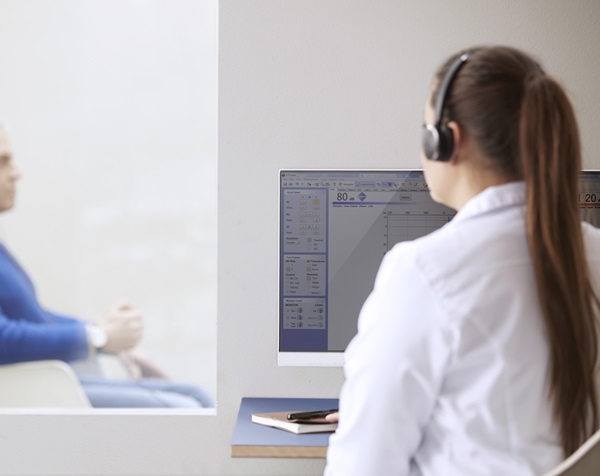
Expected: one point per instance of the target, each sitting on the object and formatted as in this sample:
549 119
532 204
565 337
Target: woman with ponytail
477 351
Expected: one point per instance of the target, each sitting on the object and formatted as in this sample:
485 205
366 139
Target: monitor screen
335 228
589 196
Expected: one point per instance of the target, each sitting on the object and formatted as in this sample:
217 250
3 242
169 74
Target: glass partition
109 111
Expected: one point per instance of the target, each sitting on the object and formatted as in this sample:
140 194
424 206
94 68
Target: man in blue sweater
29 332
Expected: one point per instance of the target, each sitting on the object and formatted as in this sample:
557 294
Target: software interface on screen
335 228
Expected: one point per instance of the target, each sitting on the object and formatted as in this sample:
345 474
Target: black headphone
438 139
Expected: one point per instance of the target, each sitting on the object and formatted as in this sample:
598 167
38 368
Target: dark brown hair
524 124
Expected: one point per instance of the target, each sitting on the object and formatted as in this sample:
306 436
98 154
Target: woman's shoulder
411 256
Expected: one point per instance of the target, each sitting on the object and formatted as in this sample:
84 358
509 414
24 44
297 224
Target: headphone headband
438 140
445 86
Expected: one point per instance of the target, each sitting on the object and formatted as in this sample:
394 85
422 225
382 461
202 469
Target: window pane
110 109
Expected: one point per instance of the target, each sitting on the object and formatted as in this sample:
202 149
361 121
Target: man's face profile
9 173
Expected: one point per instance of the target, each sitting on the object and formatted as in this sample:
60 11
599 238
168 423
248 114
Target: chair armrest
41 384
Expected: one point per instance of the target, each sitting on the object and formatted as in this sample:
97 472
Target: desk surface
253 440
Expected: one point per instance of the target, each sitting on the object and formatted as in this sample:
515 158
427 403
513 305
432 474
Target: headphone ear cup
430 142
446 143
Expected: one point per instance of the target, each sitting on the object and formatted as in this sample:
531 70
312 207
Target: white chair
41 384
584 462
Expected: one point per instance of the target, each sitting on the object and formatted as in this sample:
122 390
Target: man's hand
123 326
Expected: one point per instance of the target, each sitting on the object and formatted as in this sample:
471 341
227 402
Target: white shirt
447 374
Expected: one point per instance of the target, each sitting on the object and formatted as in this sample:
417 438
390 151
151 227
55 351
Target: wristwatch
96 336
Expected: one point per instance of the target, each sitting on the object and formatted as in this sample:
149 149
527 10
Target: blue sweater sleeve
27 331
22 341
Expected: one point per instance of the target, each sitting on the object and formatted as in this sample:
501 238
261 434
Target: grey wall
303 83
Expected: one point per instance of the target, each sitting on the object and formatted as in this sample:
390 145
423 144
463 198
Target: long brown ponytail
550 154
525 125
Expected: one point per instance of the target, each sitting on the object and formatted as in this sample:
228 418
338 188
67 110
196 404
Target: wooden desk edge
260 451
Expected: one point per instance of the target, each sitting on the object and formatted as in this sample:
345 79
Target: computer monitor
589 196
335 228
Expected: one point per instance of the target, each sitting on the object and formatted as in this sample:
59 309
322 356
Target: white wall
303 83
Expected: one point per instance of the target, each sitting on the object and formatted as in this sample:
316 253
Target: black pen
309 415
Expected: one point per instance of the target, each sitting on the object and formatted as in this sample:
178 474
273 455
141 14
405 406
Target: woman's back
494 402
455 321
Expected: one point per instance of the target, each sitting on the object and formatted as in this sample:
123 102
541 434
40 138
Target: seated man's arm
23 341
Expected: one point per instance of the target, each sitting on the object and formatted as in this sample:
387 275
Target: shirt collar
493 198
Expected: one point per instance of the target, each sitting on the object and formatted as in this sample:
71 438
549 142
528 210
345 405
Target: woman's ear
458 140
